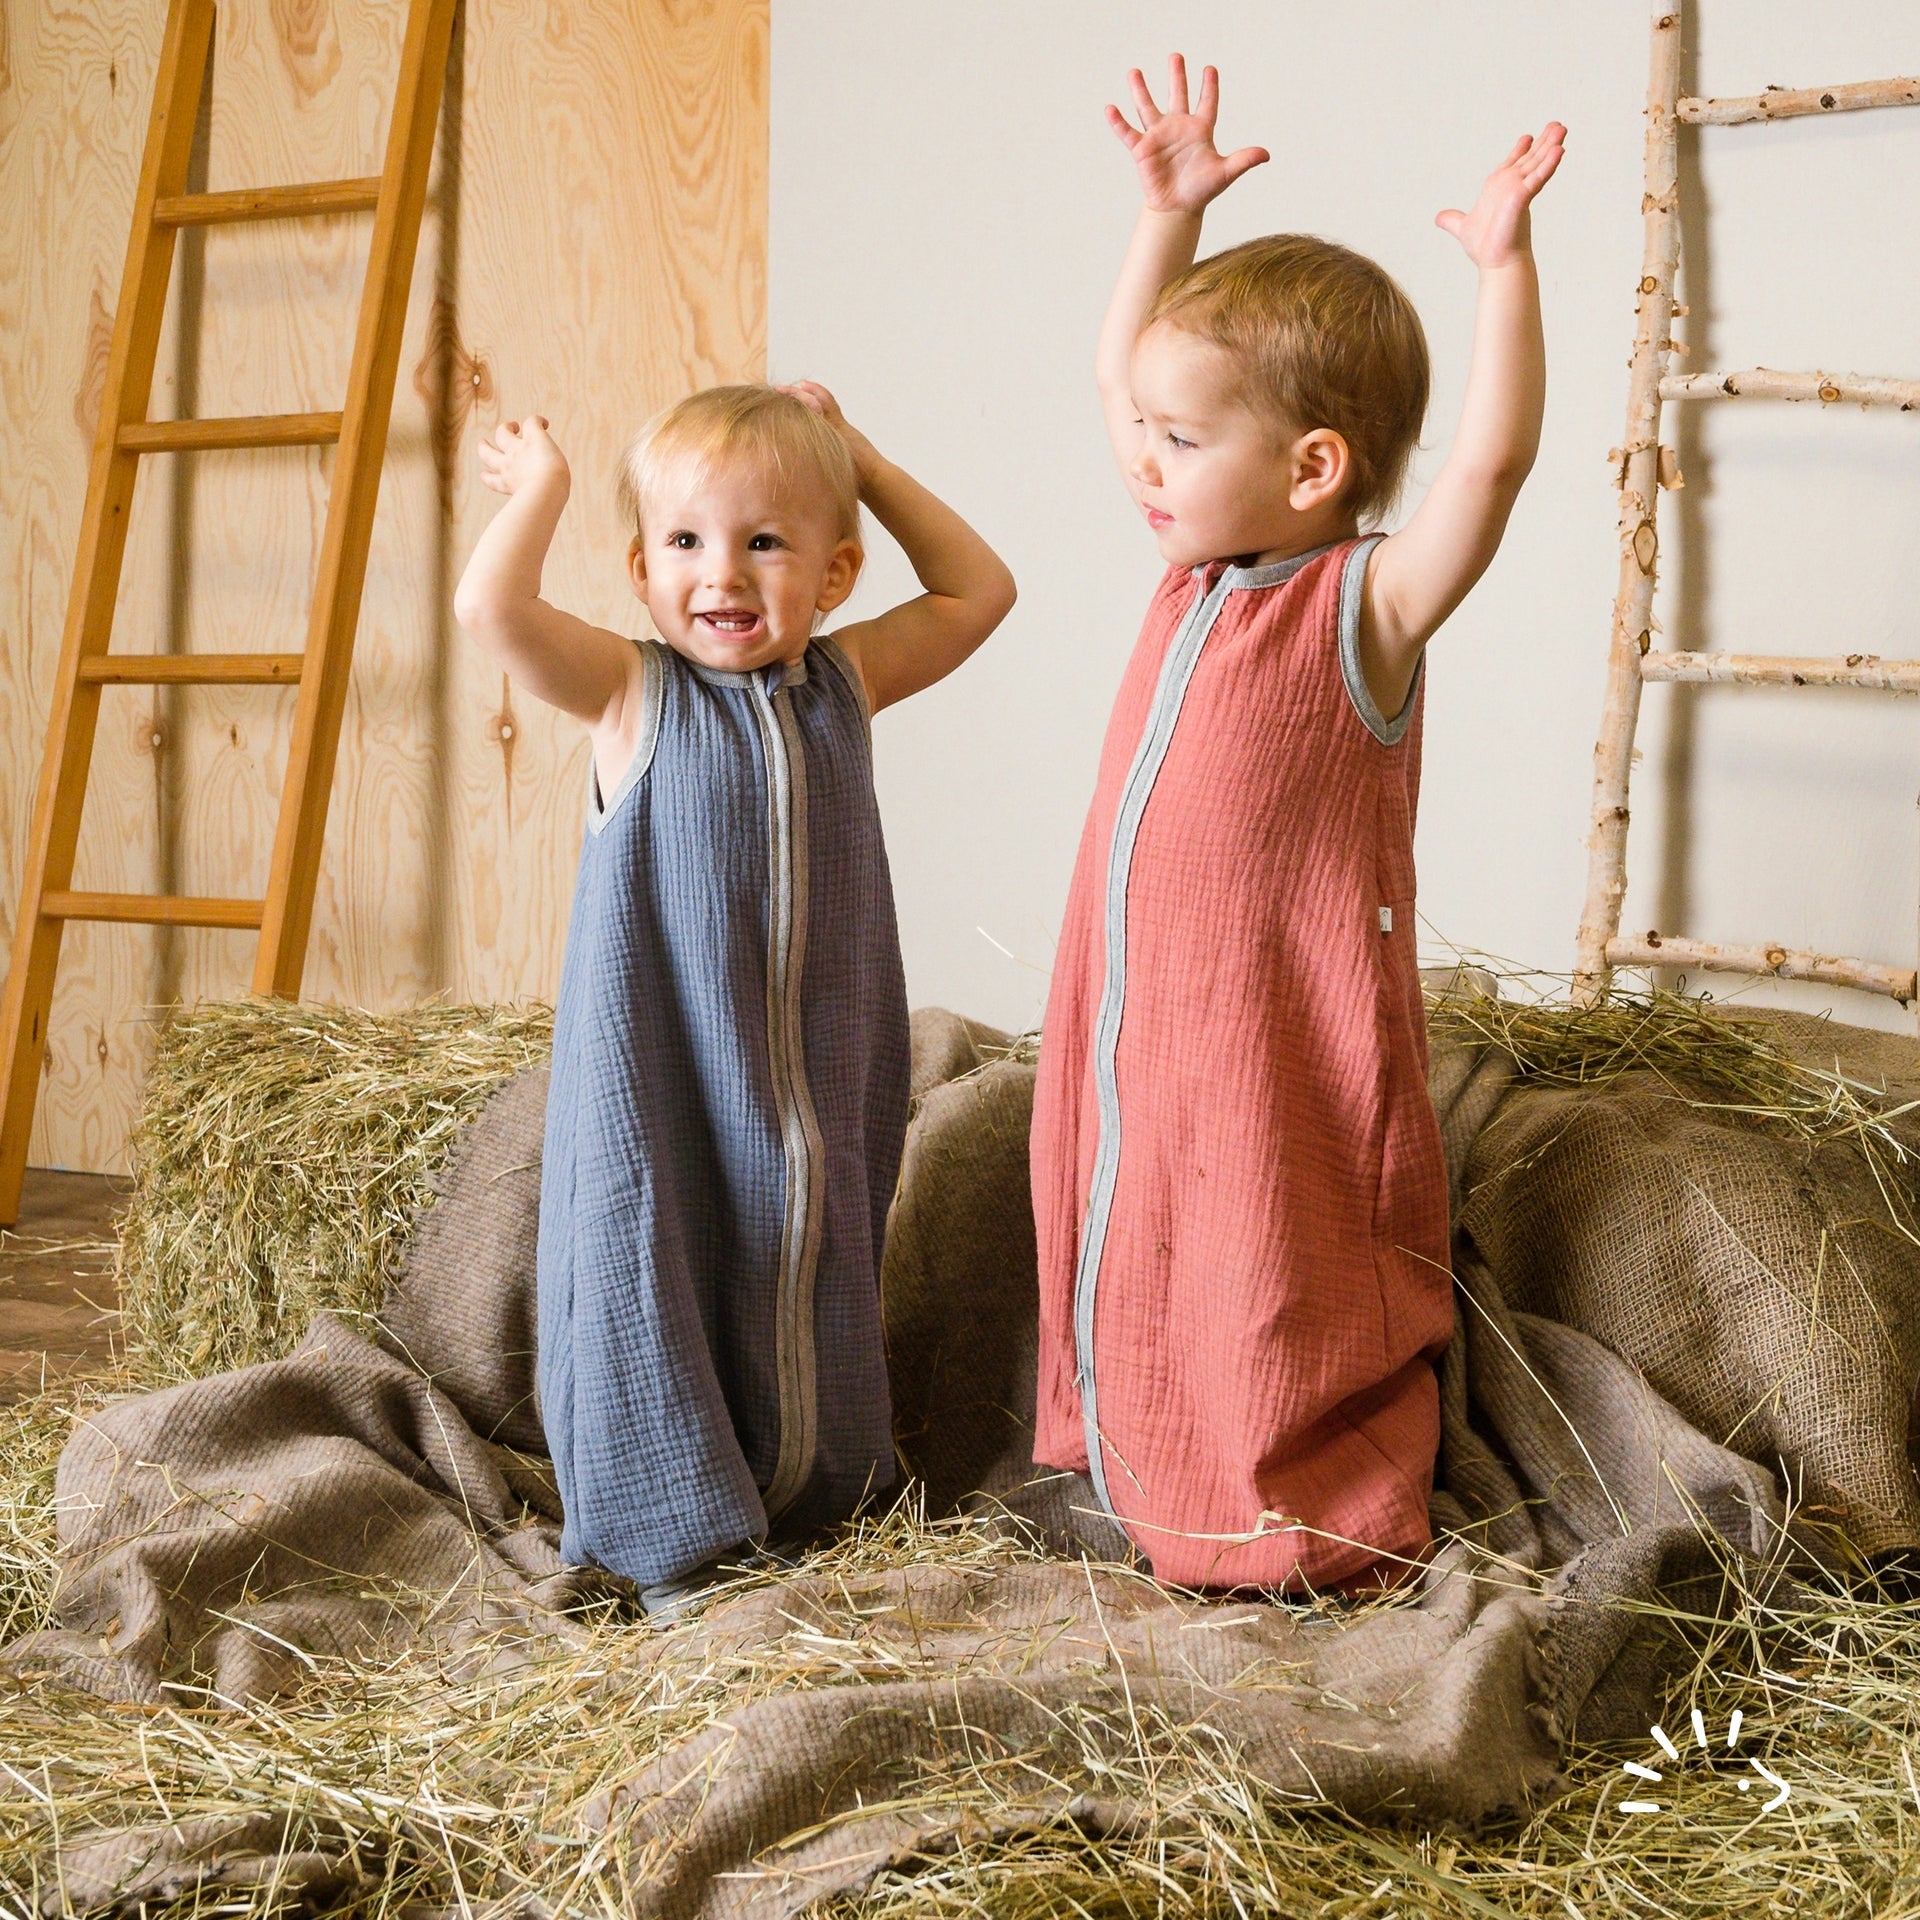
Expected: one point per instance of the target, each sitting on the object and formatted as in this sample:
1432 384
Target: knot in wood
1653 936
1646 546
1828 391
1645 641
1776 957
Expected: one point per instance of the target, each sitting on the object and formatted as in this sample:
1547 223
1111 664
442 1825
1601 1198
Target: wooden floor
56 1278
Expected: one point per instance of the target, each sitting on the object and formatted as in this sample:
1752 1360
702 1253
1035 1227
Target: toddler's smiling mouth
733 623
1156 519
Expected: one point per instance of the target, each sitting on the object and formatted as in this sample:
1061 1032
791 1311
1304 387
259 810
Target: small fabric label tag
1386 919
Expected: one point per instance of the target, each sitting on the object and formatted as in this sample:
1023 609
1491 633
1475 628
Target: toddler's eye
1174 440
683 540
763 543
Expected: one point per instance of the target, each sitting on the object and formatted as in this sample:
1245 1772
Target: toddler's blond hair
1325 338
754 423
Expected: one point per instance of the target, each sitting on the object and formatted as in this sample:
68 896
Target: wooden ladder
162 206
1633 660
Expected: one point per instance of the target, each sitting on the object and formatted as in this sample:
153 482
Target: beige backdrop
948 210
594 246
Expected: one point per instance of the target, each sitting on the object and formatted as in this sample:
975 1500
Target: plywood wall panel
82 77
594 247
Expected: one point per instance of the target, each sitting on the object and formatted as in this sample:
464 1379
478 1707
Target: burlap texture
275 1501
465 1313
1767 1286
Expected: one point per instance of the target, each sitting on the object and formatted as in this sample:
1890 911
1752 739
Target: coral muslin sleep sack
724 1127
1238 1180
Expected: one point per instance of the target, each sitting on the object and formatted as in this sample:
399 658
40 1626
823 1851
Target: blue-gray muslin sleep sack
724 1127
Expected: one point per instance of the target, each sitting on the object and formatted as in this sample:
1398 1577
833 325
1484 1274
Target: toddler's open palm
1180 169
520 452
1496 230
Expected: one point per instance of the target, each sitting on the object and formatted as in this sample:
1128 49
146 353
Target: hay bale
454 1786
440 1788
281 1155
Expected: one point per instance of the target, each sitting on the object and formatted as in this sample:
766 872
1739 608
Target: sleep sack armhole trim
848 672
1353 580
653 687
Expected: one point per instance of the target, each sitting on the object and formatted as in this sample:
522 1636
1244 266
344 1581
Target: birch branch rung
1655 949
1864 670
1789 103
1767 383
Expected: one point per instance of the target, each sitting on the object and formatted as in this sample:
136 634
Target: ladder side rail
305 792
128 387
1639 497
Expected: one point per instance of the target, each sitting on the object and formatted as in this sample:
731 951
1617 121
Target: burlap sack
1767 1286
960 1294
318 1501
462 1312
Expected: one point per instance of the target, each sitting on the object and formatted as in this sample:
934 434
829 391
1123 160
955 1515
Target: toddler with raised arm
1240 1194
729 1091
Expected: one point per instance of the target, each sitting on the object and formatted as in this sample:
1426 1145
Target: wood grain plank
597 250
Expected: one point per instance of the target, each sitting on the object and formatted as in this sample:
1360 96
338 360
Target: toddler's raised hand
1497 230
866 456
519 453
1180 169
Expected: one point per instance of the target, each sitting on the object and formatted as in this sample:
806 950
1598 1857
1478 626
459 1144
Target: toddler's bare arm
1420 574
968 588
1180 172
582 669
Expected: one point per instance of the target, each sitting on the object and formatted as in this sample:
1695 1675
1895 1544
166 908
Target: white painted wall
947 210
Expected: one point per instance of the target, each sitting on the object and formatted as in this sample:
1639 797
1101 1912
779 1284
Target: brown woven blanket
382 1486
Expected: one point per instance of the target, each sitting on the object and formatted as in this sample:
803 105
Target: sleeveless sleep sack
728 1105
1238 1181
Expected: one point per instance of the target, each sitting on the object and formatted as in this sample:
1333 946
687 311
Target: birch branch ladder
1644 467
162 206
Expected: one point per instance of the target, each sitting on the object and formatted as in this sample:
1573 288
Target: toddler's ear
637 566
1321 465
841 576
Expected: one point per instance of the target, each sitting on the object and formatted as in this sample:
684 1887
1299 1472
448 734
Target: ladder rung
1782 963
1865 670
1764 383
191 669
1787 103
267 203
250 430
153 909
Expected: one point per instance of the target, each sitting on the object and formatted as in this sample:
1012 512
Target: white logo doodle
1783 1793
